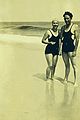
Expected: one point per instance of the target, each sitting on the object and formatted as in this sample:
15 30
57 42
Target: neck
54 30
68 25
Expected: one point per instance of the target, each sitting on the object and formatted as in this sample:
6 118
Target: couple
65 43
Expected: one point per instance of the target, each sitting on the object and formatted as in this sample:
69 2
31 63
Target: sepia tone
24 92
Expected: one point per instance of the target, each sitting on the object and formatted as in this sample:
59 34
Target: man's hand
60 53
73 53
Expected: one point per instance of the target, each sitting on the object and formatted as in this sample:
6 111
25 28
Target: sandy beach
24 93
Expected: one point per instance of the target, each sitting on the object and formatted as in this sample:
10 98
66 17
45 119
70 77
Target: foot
46 78
75 84
65 81
52 78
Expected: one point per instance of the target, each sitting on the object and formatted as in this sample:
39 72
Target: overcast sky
37 10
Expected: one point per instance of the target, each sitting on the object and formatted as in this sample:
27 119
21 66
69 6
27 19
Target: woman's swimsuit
68 42
53 49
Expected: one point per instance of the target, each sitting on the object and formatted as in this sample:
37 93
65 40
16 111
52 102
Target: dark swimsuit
68 42
53 49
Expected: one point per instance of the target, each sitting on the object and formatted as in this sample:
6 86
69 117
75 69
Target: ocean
27 28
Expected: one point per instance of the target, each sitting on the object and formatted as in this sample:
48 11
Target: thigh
65 57
72 59
49 59
54 59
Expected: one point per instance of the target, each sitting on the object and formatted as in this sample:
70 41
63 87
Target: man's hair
68 13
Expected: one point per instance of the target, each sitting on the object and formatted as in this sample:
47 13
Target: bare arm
45 37
76 37
61 40
60 47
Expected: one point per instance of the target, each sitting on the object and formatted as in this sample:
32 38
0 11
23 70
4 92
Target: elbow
42 41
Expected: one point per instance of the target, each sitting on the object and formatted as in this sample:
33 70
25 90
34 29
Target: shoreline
24 92
10 38
19 38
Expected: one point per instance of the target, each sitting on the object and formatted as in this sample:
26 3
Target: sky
37 10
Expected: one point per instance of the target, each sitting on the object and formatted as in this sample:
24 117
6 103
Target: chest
54 38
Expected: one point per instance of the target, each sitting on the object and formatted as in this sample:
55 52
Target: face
67 19
55 25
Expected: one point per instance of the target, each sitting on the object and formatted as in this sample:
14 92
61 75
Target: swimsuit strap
71 26
51 32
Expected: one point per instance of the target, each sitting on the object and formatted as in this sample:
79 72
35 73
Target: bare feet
75 84
47 78
65 81
52 78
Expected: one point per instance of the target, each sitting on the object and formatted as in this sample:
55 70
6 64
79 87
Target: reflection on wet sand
50 99
50 96
66 96
66 110
70 96
68 105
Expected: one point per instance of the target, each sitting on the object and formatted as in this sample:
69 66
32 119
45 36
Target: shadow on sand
59 79
67 94
40 76
62 80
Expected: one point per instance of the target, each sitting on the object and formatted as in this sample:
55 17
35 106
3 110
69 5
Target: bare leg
73 62
49 62
67 65
54 63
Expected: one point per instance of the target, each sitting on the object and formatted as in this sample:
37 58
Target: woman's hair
55 20
68 13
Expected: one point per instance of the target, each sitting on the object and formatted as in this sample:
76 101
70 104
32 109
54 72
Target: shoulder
48 32
74 27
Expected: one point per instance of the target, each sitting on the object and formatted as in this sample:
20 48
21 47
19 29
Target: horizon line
37 21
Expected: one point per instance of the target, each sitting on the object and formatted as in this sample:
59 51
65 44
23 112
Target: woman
70 40
51 38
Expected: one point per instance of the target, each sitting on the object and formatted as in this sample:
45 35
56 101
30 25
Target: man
70 40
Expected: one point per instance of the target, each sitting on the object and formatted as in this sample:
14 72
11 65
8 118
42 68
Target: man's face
67 19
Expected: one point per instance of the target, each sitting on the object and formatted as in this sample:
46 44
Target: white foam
19 38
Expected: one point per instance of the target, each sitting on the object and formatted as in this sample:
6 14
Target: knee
53 66
49 68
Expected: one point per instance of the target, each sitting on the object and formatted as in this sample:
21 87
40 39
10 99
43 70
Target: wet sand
24 93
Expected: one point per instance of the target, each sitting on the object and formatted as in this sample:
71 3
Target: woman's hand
52 43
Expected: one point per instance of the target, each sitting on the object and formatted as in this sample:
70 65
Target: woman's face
55 25
67 19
